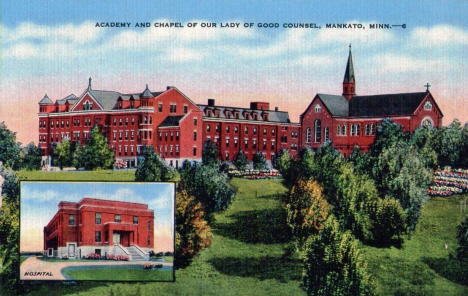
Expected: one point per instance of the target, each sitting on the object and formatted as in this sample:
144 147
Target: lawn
100 175
250 239
118 274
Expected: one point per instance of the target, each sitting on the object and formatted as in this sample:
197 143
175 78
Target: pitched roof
147 93
387 104
45 100
273 116
107 99
171 121
349 73
337 105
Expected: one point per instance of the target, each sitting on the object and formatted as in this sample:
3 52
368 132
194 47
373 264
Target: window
126 135
117 218
428 105
177 136
194 136
246 143
427 121
327 134
132 135
208 127
338 130
264 144
126 121
149 240
194 151
133 120
52 124
227 129
227 142
97 238
68 123
236 129
185 109
308 135
151 120
273 131
254 130
372 129
71 220
343 130
217 128
160 107
246 130
115 121
264 131
135 219
120 122
273 145
195 121
318 108
98 218
367 131
318 131
149 224
358 129
120 136
254 143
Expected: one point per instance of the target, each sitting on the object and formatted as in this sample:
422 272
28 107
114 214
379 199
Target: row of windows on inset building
246 130
341 130
98 219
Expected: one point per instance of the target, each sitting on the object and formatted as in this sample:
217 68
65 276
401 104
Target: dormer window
318 108
132 103
428 105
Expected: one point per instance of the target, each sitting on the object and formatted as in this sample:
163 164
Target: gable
87 100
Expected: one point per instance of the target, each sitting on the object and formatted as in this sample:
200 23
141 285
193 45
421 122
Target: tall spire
89 84
349 81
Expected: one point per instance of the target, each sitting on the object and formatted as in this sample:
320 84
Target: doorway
116 238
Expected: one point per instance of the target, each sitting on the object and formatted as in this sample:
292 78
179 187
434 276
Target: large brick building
100 226
348 119
177 128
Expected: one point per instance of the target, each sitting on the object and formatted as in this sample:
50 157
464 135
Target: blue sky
39 203
53 47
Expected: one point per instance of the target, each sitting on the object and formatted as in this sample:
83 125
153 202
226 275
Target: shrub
259 162
388 221
151 168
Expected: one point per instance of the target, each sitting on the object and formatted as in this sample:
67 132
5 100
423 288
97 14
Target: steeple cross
427 86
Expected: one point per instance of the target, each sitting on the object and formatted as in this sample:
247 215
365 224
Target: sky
40 200
53 47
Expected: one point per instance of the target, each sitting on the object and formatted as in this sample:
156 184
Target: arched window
343 130
327 134
353 129
338 130
318 108
358 129
318 131
308 135
372 129
427 121
428 105
367 132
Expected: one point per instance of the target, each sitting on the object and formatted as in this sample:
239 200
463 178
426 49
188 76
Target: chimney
211 102
169 87
276 109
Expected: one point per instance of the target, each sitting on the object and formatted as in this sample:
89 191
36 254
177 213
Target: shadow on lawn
257 227
451 269
263 268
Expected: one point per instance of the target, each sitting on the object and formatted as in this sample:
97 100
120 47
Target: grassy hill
250 239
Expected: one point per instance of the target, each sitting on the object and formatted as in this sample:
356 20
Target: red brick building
175 126
100 226
348 119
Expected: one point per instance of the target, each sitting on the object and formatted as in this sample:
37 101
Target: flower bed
255 174
447 182
94 256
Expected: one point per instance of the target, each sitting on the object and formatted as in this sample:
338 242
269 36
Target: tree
388 222
9 231
240 161
259 162
462 237
208 185
451 145
210 154
96 153
307 210
388 134
333 264
9 149
31 157
152 168
193 233
64 153
427 140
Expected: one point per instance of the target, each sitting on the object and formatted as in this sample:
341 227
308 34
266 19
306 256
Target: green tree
451 145
388 222
259 162
307 210
208 185
333 264
96 153
361 161
64 154
31 157
462 237
240 161
387 135
152 168
9 149
210 154
427 141
193 233
9 231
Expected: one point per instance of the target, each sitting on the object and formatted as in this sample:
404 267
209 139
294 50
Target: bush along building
177 127
348 119
103 227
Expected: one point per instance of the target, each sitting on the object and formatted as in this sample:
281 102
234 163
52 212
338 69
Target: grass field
120 275
249 242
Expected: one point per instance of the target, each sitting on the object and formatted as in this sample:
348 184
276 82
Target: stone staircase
135 255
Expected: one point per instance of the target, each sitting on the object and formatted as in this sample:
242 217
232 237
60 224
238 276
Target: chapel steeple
349 89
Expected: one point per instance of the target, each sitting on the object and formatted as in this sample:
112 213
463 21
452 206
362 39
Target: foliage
354 192
9 231
259 162
152 168
193 233
64 153
307 210
452 146
9 149
240 161
95 154
462 237
208 185
210 153
388 222
388 134
361 161
333 264
31 157
400 173
427 141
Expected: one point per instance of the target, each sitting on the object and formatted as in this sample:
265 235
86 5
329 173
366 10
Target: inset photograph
103 231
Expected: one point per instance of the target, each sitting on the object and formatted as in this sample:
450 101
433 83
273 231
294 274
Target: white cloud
358 36
406 63
439 35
